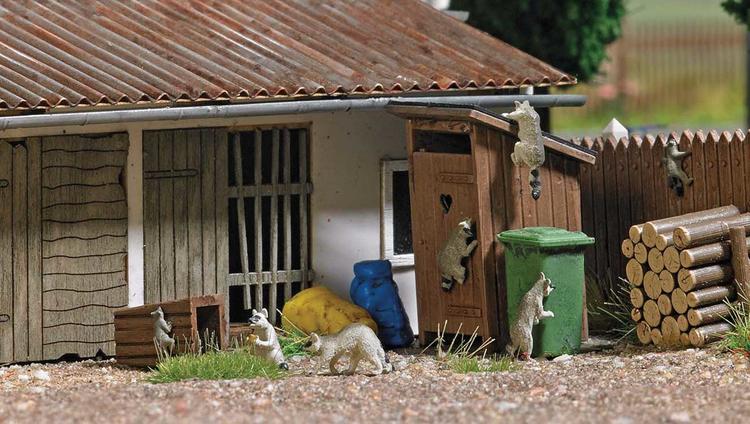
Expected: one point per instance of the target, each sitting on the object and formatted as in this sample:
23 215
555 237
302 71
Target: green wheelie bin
559 254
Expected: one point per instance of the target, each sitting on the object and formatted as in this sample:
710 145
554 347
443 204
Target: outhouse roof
487 117
158 53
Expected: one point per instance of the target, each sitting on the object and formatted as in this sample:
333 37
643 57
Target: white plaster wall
346 149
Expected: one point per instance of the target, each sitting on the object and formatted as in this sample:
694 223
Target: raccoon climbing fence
628 186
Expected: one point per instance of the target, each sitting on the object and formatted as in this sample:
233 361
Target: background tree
739 9
569 34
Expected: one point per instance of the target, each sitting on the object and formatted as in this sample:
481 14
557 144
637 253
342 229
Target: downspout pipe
271 108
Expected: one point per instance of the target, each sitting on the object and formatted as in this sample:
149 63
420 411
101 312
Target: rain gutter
294 107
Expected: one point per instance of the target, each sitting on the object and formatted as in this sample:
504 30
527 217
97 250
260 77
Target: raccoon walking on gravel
530 311
357 341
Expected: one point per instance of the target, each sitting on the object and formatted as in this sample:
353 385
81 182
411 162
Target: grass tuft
472 364
461 355
739 338
608 303
291 338
292 342
214 365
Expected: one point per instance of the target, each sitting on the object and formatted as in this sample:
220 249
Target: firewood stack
680 272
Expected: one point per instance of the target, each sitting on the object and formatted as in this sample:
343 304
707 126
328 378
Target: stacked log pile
680 272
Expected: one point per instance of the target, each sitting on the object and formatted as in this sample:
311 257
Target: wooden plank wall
512 204
20 250
184 198
84 242
628 186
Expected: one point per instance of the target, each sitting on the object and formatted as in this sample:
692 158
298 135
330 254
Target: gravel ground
625 385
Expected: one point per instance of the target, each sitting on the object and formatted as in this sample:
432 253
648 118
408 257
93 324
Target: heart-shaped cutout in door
446 200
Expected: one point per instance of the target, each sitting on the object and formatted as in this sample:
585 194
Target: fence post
740 263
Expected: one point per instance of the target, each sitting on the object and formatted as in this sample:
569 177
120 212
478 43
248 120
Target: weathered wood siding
84 242
184 202
63 245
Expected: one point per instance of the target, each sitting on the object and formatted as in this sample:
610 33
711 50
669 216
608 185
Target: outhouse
460 165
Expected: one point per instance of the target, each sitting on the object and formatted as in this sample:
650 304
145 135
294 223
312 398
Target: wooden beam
740 263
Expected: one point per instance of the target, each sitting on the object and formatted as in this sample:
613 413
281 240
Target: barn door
444 195
63 245
184 206
84 242
20 252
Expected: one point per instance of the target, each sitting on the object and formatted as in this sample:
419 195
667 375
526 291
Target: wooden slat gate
63 245
269 215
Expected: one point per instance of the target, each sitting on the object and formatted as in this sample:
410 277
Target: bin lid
545 237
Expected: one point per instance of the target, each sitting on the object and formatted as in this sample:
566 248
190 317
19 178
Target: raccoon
358 341
162 328
266 343
529 151
530 311
677 179
453 252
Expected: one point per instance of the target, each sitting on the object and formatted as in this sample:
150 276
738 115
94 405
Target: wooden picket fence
628 186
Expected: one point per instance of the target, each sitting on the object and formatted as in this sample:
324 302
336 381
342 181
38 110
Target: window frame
387 168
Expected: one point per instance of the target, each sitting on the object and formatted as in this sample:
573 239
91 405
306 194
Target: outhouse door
444 195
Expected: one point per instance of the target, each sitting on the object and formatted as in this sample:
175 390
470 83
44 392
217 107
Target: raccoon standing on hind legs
530 311
529 151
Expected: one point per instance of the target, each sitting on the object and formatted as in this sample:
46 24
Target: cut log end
657 337
655 260
667 281
651 313
640 253
663 241
683 323
643 331
636 297
679 301
672 259
635 233
665 305
635 314
648 236
670 331
652 285
627 248
685 339
634 272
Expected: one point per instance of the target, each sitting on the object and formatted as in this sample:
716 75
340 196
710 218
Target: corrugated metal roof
85 52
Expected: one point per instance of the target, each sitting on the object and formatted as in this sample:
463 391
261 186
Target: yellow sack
319 310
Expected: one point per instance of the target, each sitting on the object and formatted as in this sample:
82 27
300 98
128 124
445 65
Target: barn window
269 189
395 214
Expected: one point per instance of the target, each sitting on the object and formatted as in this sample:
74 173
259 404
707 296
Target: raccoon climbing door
444 195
